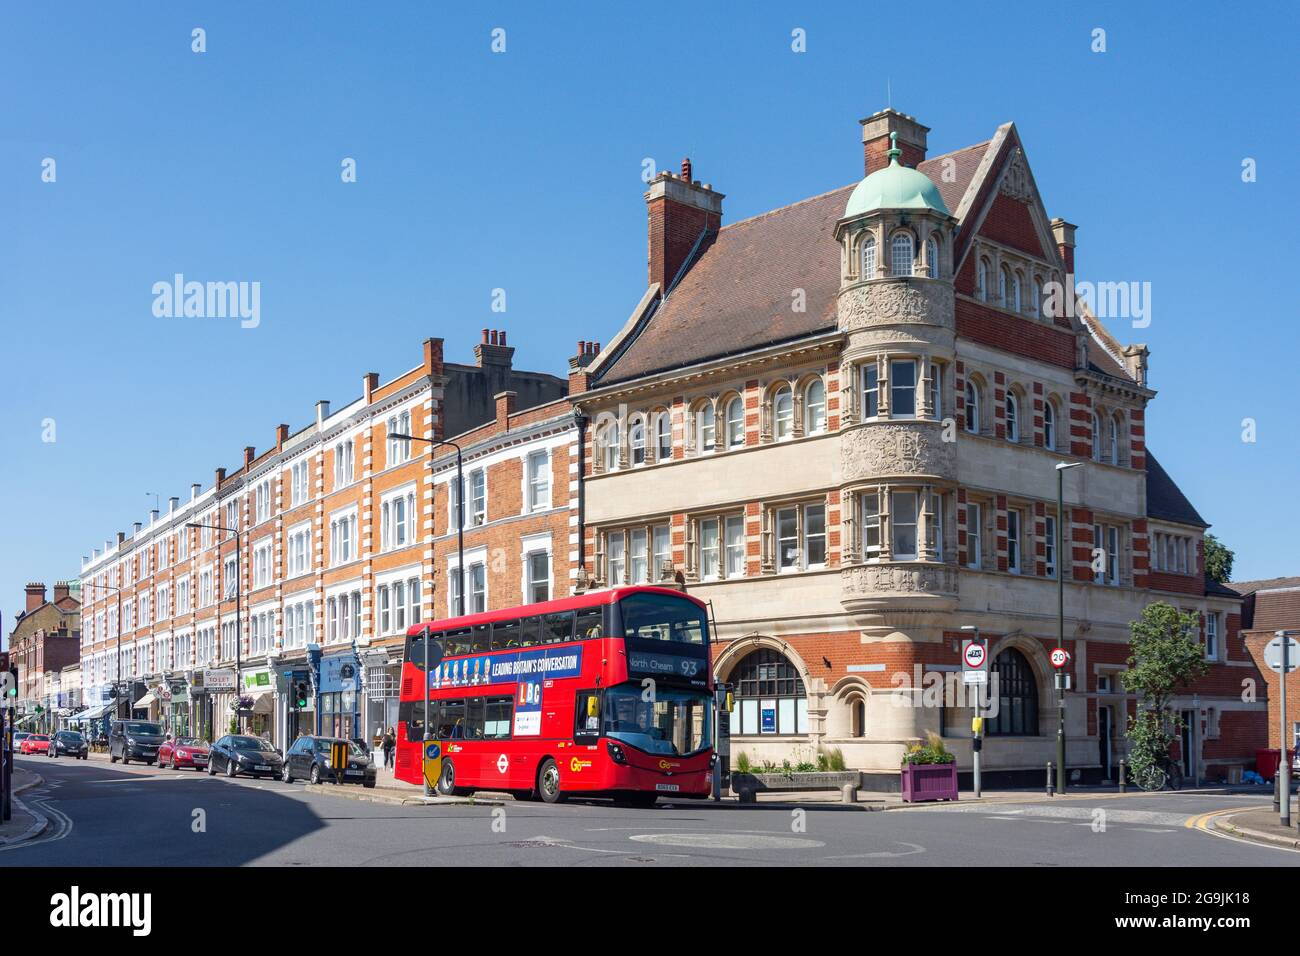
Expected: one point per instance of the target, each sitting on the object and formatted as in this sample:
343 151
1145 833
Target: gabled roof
1165 500
738 295
1267 584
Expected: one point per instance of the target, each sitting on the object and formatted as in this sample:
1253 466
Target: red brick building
840 421
1269 606
46 637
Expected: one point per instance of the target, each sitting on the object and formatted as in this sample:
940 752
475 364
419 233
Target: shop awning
91 713
263 700
144 701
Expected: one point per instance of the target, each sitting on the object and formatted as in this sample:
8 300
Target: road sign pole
1284 761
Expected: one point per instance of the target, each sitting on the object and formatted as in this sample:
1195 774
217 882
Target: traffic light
300 695
11 688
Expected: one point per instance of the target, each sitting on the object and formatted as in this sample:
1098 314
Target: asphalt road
104 815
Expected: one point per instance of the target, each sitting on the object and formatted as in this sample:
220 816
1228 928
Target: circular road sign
973 655
1060 657
1273 654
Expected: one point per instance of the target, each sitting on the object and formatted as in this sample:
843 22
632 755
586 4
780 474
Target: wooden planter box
929 781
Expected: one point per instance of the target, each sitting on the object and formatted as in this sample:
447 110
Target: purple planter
929 781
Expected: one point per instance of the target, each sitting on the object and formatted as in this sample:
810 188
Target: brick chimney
369 382
35 596
579 379
506 402
875 139
60 591
281 436
218 477
433 356
682 212
1064 233
493 349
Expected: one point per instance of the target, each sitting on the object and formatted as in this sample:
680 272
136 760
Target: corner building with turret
840 423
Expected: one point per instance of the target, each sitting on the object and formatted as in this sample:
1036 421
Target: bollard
1123 779
1277 785
1050 789
748 795
848 793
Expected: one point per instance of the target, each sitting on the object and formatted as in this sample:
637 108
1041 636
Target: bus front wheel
447 780
548 782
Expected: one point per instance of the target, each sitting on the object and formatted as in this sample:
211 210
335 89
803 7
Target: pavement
1261 825
100 814
23 823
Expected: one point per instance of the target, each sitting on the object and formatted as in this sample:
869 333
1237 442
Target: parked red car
35 744
180 752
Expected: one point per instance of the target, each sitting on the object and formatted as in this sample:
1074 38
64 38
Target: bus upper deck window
590 624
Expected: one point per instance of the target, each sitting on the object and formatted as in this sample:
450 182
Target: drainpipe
580 419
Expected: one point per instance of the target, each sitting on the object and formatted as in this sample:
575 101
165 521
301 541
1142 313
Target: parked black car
134 740
71 743
312 758
234 754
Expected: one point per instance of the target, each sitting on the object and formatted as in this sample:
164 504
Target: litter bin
1266 762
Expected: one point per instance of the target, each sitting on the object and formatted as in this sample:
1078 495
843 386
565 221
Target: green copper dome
894 187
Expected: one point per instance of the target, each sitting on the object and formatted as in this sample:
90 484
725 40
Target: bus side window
411 713
558 628
590 624
500 711
451 720
475 718
458 642
532 631
505 635
481 641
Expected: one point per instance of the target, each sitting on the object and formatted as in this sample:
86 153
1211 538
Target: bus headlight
616 752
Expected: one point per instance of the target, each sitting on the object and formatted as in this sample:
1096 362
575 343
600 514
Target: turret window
902 523
900 254
869 258
932 256
870 390
972 408
902 388
1013 417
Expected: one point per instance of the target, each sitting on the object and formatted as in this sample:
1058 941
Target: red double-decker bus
609 693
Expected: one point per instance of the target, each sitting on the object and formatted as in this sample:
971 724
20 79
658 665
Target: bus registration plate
669 787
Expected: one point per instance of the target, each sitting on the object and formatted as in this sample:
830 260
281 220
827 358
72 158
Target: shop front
214 713
338 687
257 701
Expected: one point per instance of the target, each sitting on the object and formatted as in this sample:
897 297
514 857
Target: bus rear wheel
548 782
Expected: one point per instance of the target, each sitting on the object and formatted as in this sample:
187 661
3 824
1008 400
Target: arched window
706 429
1017 689
735 422
1004 287
1013 417
1112 441
1096 437
900 254
609 443
770 696
782 413
972 407
1016 282
932 256
1049 426
982 280
814 407
663 436
636 439
869 258
1036 297
857 716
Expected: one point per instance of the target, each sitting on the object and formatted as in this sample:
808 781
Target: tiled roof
1267 584
738 295
1165 501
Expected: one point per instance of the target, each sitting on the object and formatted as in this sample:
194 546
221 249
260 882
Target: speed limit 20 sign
1060 657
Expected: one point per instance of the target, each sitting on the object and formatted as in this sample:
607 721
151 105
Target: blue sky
521 170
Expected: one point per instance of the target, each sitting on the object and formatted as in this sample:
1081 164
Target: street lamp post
239 594
1061 468
460 511
117 670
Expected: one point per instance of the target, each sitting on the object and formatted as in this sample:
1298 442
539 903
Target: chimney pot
137 525
322 411
503 336
485 336
582 346
194 490
686 169
172 503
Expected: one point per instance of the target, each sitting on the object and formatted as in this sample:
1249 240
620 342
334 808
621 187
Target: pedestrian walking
389 743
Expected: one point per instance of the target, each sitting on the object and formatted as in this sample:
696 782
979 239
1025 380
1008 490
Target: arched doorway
771 699
1017 690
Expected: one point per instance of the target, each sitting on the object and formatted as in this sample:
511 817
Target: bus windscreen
663 617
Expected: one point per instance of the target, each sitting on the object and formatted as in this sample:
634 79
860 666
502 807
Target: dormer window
900 254
869 258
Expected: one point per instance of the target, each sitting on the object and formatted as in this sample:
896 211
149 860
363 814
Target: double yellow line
1202 822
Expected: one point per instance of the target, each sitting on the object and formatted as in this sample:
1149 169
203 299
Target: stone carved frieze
875 304
896 449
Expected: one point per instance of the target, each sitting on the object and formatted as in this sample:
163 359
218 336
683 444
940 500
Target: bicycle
1158 775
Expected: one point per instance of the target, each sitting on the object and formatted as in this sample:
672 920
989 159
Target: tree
1218 560
1166 656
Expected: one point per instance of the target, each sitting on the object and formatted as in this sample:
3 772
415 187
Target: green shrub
742 763
932 751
